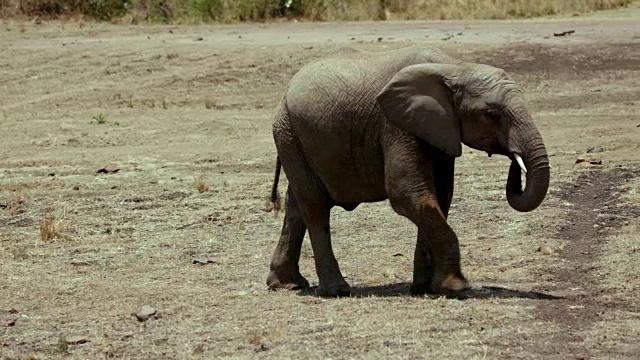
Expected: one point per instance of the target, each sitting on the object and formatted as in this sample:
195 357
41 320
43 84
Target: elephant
366 126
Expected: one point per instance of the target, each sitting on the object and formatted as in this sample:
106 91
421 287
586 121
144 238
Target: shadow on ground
478 292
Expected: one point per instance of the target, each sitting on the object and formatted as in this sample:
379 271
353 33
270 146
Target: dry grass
497 9
53 225
139 230
16 203
210 103
201 184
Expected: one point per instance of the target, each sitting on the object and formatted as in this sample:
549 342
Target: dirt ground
169 104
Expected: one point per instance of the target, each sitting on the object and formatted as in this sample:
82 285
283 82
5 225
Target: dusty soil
165 105
595 212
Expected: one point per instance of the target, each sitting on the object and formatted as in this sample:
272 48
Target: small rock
13 311
502 269
398 254
379 39
10 322
545 250
125 336
590 160
198 349
263 346
199 38
147 313
204 261
595 149
80 263
77 340
109 169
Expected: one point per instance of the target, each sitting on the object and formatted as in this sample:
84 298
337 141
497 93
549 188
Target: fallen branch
564 33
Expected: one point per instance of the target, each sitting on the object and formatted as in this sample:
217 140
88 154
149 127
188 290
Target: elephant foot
339 288
420 288
277 280
422 282
449 285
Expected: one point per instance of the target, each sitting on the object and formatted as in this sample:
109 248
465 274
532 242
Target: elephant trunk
536 161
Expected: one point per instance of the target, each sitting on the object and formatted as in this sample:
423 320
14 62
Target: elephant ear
419 100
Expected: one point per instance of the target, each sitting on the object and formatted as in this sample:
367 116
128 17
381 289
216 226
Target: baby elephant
368 126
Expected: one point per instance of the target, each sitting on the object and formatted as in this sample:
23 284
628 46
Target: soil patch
572 62
596 212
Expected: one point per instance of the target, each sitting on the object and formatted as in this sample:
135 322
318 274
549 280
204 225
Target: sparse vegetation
63 345
130 239
19 253
15 203
201 184
210 103
99 119
256 10
53 225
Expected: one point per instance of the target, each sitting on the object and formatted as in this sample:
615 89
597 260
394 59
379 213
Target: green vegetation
258 10
99 119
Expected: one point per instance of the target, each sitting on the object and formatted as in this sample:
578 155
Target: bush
98 9
257 10
104 9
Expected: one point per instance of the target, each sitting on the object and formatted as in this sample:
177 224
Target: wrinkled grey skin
362 127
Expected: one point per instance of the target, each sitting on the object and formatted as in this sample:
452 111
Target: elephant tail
275 201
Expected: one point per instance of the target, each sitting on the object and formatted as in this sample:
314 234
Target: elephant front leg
420 189
284 270
437 258
443 172
436 267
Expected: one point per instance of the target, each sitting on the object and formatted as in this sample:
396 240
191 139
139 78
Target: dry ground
168 104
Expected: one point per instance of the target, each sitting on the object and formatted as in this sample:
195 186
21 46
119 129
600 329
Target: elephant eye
494 115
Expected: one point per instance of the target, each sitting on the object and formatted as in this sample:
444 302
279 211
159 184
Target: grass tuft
99 119
200 184
16 203
53 226
210 103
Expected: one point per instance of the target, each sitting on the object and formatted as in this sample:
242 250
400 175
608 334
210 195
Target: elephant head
478 105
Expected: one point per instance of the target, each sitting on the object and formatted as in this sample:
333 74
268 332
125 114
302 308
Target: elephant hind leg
314 205
285 270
